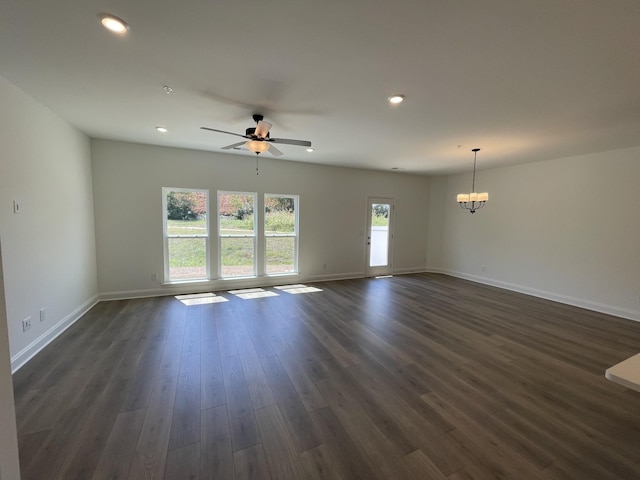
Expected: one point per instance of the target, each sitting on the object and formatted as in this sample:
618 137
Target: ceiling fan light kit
473 201
258 138
257 146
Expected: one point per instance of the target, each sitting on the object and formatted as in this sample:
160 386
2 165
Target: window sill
187 282
209 281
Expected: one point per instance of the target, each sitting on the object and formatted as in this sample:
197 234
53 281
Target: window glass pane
186 216
187 258
235 212
280 254
236 257
186 213
280 215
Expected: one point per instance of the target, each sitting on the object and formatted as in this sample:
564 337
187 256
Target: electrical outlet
26 324
154 277
324 266
42 315
16 207
482 267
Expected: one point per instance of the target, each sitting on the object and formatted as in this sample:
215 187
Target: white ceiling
522 80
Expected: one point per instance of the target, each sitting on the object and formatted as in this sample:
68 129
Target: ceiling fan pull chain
257 171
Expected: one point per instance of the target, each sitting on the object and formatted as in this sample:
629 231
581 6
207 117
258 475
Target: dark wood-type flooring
413 377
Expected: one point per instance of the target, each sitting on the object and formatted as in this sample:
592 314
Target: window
186 234
281 233
237 234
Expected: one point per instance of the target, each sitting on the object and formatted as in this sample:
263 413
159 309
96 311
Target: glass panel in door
379 236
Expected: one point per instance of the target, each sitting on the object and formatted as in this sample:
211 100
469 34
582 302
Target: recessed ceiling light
162 129
395 99
310 149
113 23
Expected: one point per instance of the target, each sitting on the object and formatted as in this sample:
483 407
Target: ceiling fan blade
222 131
274 151
288 141
262 129
235 145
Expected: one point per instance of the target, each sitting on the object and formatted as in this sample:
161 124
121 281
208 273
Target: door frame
384 269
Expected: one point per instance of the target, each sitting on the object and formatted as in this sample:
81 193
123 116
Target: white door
379 236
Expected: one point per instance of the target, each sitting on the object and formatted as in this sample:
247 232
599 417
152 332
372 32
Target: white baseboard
410 270
556 297
27 353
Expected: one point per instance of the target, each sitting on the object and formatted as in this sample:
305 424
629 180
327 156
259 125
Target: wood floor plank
29 445
307 391
56 448
320 464
150 456
417 465
226 340
104 373
93 437
344 449
185 423
257 383
421 425
139 389
512 457
184 463
117 454
216 452
260 336
242 422
367 438
211 381
279 448
58 398
251 464
295 415
342 349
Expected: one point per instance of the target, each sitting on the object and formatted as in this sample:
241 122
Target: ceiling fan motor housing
251 132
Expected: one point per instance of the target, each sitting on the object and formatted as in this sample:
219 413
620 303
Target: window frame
166 236
295 235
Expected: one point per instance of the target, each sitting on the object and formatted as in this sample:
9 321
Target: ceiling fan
258 139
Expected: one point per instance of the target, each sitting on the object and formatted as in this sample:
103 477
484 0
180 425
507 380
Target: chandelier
473 201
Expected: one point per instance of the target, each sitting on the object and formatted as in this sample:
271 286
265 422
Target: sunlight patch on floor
251 293
298 288
200 299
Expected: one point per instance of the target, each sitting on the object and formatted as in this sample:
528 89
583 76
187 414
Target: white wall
566 229
9 461
49 248
128 181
